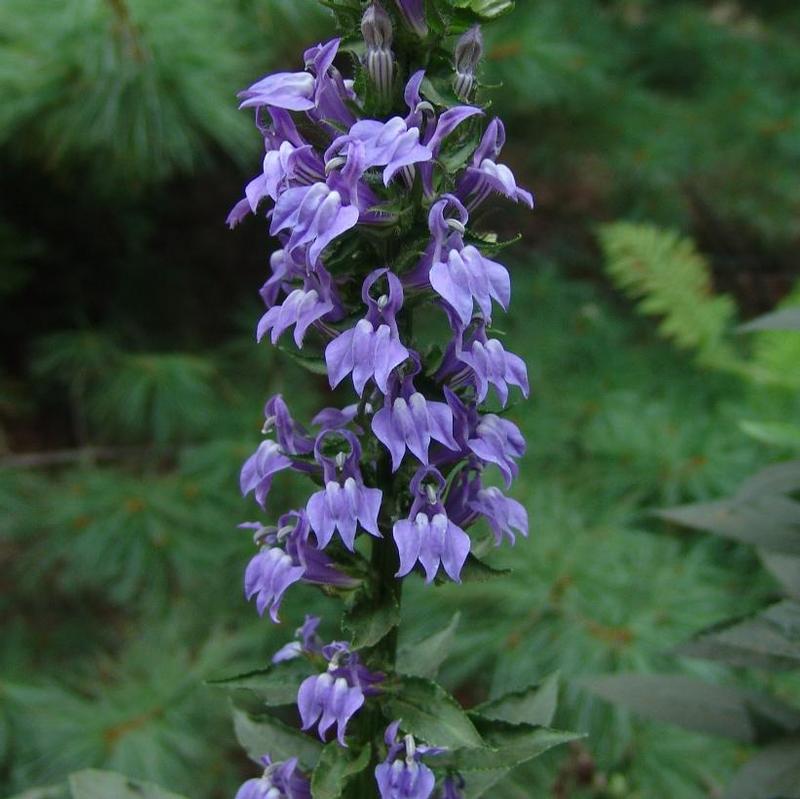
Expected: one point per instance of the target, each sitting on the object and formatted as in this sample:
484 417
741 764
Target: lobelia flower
301 308
468 53
413 12
393 145
345 503
428 536
371 349
489 364
403 775
336 695
279 781
314 216
409 421
503 513
498 441
486 175
286 557
292 436
459 273
307 642
259 469
376 28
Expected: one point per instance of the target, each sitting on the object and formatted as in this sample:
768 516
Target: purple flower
414 13
371 349
301 308
402 775
498 441
345 502
468 277
393 145
286 557
296 91
315 216
408 420
293 91
503 513
307 641
292 436
486 175
336 695
491 364
279 781
427 535
259 469
267 577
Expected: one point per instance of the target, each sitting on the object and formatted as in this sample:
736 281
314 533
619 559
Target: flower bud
468 53
376 27
413 12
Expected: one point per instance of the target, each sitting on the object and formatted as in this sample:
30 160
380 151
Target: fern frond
669 278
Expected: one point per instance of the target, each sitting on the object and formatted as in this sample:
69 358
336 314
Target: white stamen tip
455 224
431 492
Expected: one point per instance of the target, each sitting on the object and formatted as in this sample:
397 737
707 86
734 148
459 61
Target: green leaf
316 366
770 640
785 319
481 781
774 772
506 746
260 735
726 711
93 784
477 571
275 685
430 713
424 658
762 512
335 767
487 9
785 568
778 434
370 619
535 705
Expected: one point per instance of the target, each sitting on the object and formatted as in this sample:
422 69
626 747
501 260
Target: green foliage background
130 386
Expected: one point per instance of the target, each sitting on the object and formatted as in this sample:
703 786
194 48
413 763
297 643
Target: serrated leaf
774 772
535 705
770 640
267 735
336 766
94 784
726 711
506 746
275 685
785 319
424 658
430 713
369 620
762 512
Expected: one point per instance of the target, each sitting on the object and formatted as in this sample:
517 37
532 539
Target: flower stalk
370 225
